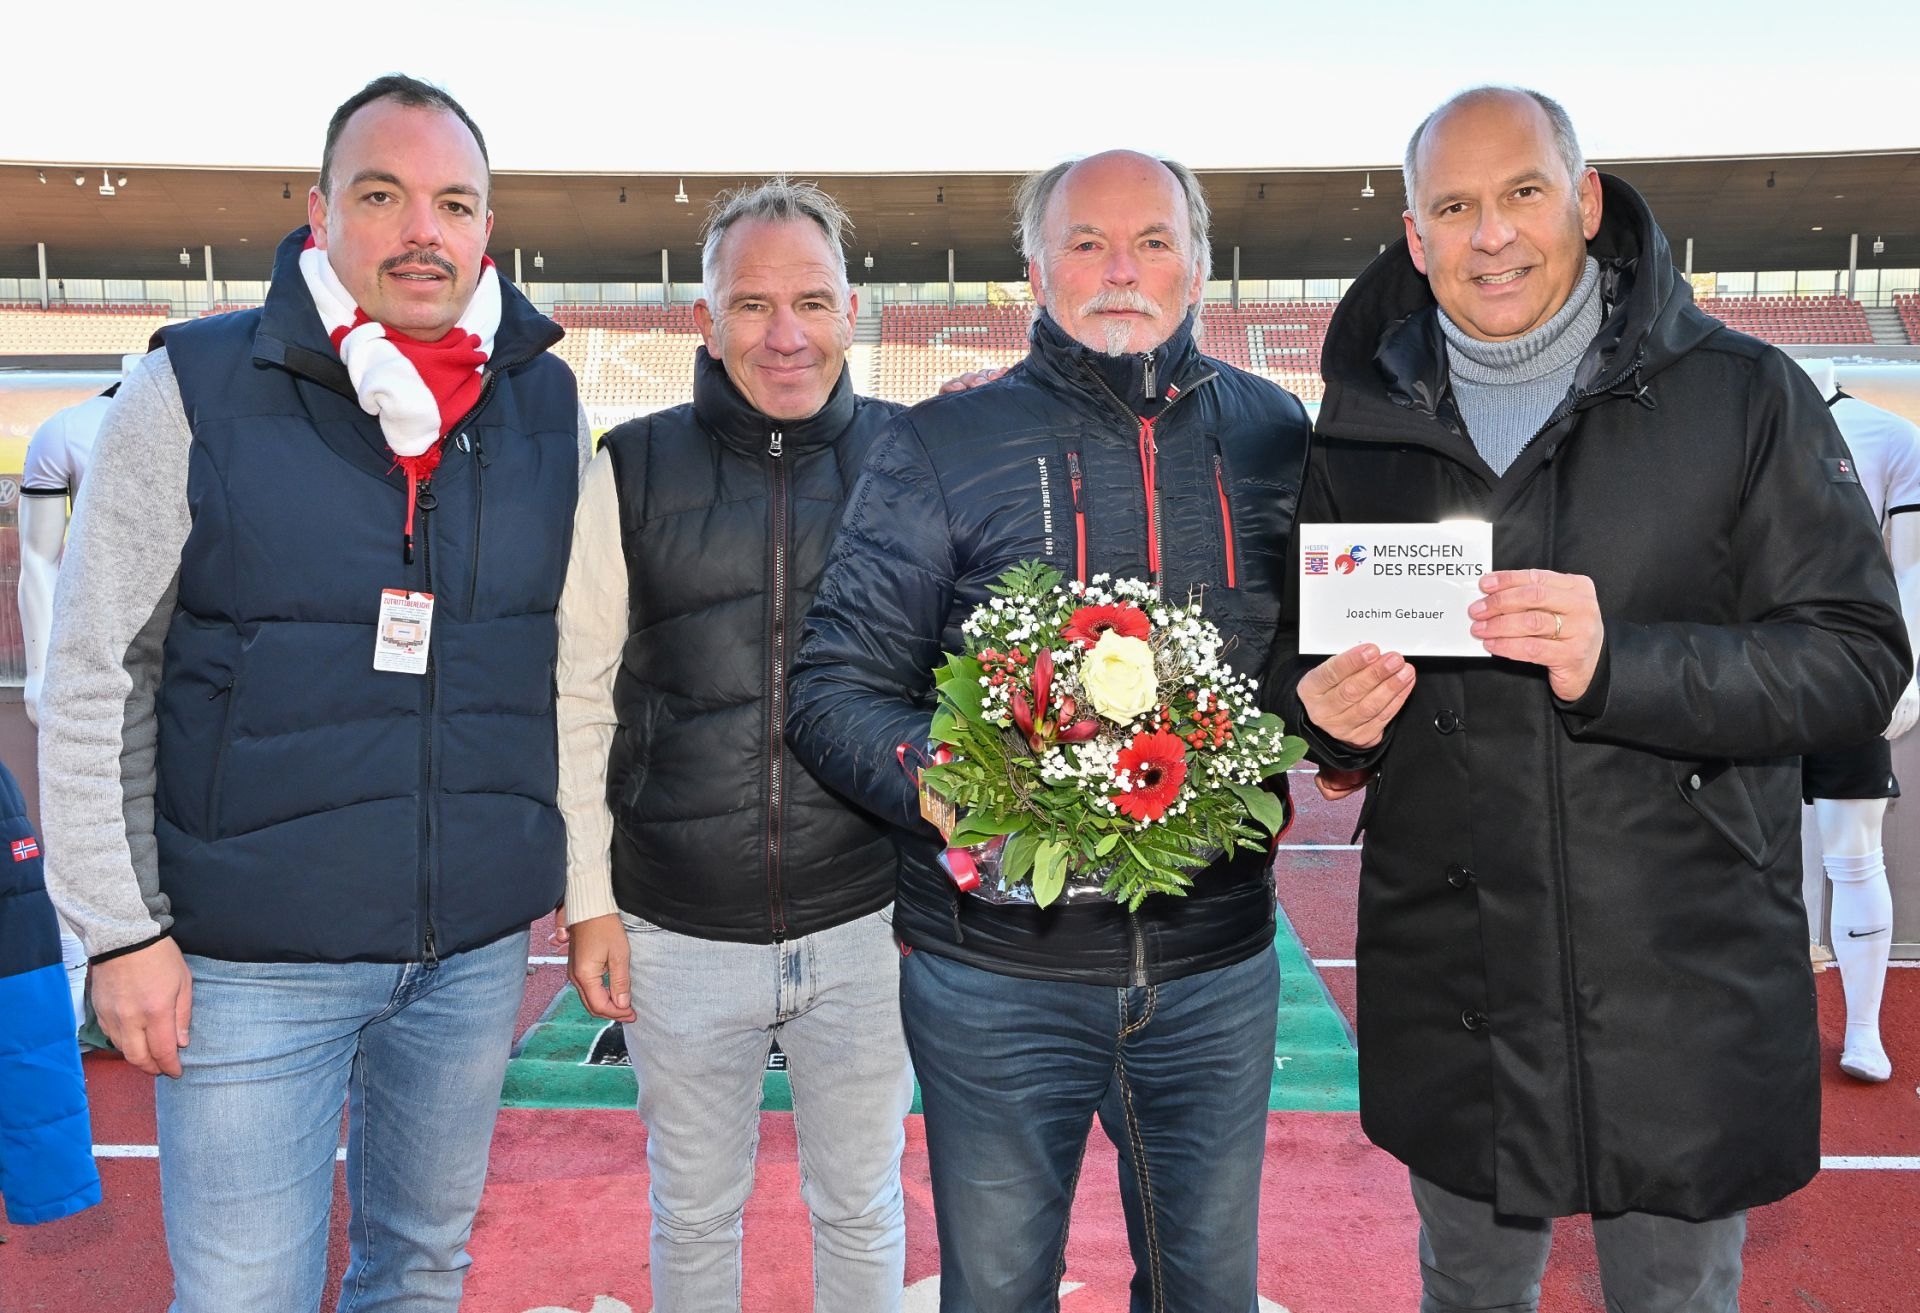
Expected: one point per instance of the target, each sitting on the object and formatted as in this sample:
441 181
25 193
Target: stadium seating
75 330
1793 319
1908 304
630 360
921 346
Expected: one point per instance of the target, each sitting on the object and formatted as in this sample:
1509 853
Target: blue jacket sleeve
863 679
46 1137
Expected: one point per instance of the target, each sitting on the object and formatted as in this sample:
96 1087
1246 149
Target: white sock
73 956
1862 920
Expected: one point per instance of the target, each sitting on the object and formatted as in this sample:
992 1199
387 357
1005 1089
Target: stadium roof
1288 223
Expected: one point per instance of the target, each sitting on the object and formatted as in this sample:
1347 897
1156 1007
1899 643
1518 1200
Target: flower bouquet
1090 738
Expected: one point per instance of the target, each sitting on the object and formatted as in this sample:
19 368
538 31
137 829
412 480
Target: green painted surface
1314 1068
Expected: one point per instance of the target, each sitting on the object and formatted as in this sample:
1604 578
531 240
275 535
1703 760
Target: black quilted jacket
1051 462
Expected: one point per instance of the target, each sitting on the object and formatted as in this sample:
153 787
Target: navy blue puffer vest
311 808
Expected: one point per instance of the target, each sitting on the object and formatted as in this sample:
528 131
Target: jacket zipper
1226 516
776 685
1079 519
430 953
481 462
1148 454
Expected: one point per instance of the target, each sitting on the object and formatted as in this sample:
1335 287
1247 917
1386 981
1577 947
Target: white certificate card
1402 587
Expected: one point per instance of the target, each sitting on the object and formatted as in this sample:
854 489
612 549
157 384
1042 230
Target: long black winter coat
1050 463
1583 976
725 521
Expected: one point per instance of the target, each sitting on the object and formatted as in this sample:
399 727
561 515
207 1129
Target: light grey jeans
1472 1258
707 1015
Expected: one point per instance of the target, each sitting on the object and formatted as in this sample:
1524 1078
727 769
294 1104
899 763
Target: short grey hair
1565 140
1037 189
777 200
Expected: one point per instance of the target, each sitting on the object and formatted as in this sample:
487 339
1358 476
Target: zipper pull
222 690
1073 475
1146 361
470 442
774 439
432 957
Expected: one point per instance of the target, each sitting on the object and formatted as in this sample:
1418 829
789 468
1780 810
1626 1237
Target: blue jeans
706 1014
1474 1260
1013 1072
248 1132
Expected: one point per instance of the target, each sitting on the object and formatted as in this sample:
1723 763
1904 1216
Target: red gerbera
1157 764
1087 624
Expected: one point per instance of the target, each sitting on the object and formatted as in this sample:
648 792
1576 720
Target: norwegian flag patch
25 850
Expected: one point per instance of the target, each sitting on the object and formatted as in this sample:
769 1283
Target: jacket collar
1385 357
291 334
1072 364
724 408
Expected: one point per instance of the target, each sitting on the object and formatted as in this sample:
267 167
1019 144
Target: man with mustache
1114 448
1583 976
297 730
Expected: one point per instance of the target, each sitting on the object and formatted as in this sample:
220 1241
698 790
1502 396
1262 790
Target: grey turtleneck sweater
1506 390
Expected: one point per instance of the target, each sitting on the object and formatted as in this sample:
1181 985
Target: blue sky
816 86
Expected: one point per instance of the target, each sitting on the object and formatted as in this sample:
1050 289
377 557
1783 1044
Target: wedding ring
1556 624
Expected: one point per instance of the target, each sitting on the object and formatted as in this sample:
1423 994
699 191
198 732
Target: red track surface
565 1215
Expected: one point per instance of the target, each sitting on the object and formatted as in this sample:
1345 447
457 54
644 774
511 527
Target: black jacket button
1459 876
1473 1020
1446 721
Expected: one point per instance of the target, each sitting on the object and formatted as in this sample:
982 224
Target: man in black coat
1583 979
1115 447
718 898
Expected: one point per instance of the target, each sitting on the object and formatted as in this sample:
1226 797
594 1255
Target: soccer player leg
703 1022
1475 1260
422 1104
1862 922
852 1086
1188 1113
1011 1072
248 1130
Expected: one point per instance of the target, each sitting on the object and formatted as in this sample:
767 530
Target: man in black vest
297 726
718 897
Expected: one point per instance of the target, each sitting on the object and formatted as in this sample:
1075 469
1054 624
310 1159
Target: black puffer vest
725 519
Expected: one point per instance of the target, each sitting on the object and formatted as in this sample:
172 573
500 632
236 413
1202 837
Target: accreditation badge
401 638
1402 587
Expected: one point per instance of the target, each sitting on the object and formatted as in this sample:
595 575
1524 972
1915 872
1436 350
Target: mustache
420 260
1122 298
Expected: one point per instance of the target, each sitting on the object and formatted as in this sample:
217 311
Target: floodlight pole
208 250
44 302
1689 258
517 280
1236 278
951 294
1853 262
666 287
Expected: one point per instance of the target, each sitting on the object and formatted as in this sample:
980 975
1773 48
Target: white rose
1118 676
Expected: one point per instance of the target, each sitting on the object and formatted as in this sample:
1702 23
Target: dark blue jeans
1012 1073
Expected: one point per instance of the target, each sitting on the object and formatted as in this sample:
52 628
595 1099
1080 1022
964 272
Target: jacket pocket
1220 486
216 779
1718 792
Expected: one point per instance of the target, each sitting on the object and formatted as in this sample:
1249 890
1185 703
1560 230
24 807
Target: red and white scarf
418 390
